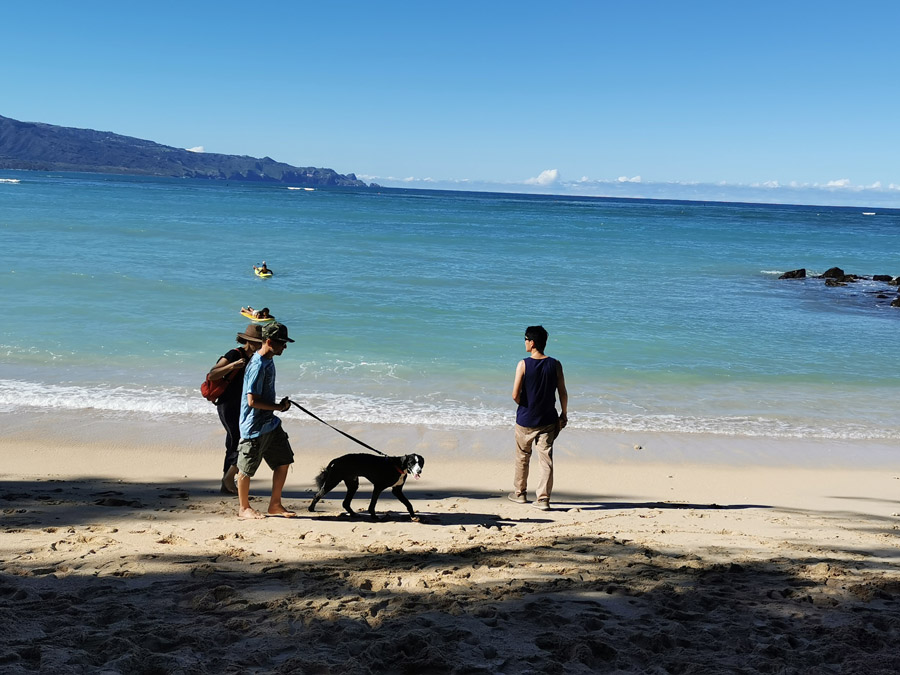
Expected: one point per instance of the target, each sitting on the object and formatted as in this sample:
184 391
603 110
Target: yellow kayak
263 275
250 316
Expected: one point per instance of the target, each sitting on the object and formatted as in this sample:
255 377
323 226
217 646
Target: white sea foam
20 394
425 411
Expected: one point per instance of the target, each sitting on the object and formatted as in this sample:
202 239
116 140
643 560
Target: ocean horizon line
438 191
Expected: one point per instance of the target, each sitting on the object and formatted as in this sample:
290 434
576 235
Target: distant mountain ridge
46 147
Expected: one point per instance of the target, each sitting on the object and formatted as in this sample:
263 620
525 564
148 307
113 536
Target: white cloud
842 183
199 148
548 177
626 179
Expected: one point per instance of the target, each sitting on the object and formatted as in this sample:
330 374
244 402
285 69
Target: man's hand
285 404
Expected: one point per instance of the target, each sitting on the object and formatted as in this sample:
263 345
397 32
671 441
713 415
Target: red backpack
211 390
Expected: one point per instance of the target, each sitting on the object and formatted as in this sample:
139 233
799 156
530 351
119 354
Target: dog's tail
320 479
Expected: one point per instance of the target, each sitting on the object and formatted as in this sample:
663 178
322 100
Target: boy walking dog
262 437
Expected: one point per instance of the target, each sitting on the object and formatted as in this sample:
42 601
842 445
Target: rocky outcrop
836 277
45 147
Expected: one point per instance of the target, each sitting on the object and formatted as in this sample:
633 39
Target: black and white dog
383 472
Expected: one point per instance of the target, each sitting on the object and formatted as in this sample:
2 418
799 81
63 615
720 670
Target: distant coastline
494 194
37 146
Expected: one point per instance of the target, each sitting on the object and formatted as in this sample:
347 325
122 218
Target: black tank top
537 407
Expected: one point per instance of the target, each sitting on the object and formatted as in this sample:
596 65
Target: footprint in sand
115 501
172 538
234 535
81 542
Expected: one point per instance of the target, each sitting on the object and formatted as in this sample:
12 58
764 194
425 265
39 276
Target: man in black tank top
538 378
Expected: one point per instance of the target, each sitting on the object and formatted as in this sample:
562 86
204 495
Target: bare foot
250 514
228 484
280 512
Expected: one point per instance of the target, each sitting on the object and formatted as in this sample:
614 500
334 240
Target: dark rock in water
833 273
836 277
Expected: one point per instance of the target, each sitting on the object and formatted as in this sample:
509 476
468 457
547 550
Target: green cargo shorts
273 447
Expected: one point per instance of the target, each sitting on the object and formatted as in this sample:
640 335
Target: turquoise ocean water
409 307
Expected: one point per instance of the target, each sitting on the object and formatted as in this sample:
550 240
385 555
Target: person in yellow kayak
262 269
257 313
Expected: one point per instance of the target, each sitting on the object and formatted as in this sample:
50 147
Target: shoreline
459 462
121 555
50 430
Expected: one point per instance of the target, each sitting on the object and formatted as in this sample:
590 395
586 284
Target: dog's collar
400 470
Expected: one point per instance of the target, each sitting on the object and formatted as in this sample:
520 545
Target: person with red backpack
224 385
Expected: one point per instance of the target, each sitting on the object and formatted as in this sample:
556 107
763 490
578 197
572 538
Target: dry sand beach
119 555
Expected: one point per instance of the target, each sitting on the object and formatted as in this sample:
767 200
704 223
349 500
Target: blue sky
765 101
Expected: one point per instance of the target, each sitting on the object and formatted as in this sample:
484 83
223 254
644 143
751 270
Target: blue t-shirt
537 407
259 380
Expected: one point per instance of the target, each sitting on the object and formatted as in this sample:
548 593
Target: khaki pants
541 439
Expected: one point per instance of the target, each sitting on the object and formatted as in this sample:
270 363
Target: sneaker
518 499
542 505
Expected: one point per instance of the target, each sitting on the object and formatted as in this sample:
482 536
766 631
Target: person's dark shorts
273 447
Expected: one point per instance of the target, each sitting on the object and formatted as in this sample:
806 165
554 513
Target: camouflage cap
275 331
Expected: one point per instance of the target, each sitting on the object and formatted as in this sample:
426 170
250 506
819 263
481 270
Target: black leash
343 433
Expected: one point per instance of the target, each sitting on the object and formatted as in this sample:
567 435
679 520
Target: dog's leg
376 493
328 484
352 486
398 493
321 493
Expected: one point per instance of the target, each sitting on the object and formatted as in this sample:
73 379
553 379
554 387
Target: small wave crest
21 394
428 411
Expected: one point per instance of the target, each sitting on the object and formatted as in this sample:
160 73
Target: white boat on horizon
868 213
